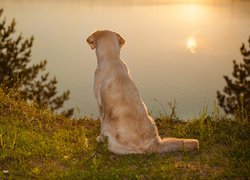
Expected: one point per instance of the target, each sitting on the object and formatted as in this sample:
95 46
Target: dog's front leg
101 137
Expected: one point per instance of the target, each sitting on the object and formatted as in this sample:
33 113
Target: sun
191 44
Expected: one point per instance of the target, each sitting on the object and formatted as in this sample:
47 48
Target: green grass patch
35 143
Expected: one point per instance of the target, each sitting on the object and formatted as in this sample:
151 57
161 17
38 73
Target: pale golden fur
123 115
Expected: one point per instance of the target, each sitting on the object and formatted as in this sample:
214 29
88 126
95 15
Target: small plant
173 115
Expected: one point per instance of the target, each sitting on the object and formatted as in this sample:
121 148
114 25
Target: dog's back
125 122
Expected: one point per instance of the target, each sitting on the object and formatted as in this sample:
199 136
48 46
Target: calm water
174 49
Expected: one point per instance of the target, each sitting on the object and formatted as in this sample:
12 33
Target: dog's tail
175 144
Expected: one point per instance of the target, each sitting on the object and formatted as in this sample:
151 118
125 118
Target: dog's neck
103 55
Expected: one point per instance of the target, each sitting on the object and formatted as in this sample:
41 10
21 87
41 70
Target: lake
175 49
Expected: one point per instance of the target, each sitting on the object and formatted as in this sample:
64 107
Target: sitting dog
123 115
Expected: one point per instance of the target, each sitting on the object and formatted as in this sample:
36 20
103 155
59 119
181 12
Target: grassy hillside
34 143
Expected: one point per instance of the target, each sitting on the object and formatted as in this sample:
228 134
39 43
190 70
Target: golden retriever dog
123 115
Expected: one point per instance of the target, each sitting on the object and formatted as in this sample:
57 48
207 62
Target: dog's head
105 38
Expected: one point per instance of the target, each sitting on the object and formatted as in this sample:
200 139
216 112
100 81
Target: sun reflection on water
191 44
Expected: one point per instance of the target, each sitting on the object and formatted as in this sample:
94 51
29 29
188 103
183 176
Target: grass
35 143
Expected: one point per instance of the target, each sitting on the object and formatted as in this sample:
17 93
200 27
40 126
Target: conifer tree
236 93
16 71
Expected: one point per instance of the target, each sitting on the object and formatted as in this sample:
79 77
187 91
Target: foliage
236 94
36 144
15 72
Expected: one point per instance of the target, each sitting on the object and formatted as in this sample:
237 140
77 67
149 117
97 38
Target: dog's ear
91 41
120 39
